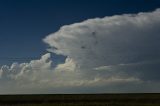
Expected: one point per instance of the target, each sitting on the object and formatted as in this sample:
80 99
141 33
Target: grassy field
81 100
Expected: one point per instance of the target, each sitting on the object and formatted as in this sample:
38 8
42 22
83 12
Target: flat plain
133 99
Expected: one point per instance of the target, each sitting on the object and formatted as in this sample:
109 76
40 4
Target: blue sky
79 46
25 23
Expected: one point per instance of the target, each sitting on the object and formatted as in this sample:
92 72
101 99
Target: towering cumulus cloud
119 53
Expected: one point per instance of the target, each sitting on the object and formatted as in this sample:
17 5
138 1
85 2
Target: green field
81 100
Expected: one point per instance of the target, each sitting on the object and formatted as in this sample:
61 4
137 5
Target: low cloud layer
112 54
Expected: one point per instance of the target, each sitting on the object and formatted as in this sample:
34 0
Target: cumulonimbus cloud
102 54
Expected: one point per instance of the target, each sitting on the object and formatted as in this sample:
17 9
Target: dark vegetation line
151 98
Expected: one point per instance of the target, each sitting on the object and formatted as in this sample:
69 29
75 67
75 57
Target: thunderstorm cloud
119 53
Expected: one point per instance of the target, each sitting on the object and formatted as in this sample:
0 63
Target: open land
151 99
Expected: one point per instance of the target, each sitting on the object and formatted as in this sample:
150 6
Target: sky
85 46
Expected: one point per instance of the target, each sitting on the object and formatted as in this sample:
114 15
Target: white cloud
26 69
110 41
103 54
69 65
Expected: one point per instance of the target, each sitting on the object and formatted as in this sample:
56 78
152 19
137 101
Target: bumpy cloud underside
120 53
